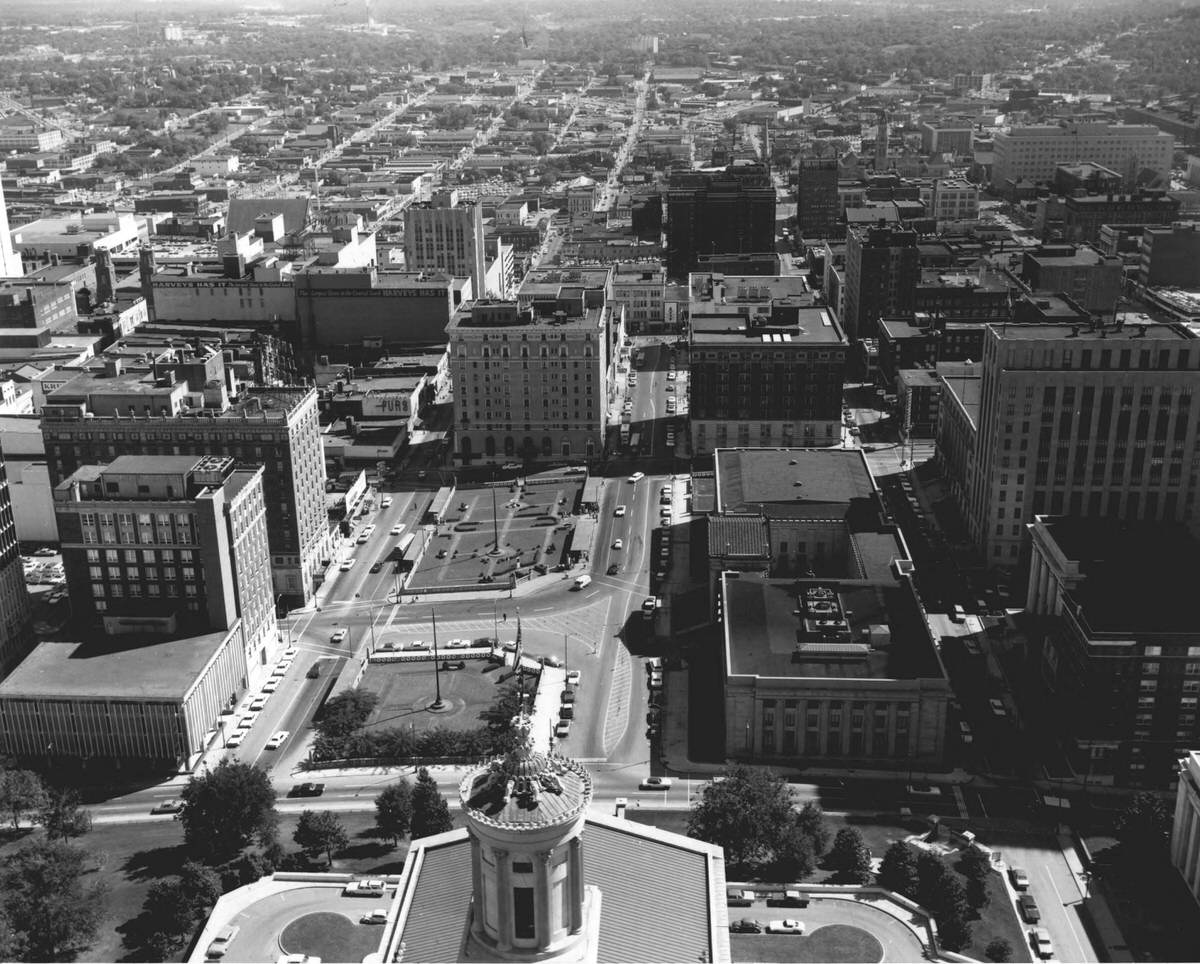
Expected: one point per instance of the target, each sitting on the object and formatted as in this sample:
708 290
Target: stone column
542 924
478 890
575 884
504 901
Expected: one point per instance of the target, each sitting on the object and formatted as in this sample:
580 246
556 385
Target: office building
446 235
882 272
537 874
10 261
954 200
530 382
766 365
185 407
163 542
722 212
1090 279
840 671
581 198
1170 256
16 629
945 139
818 207
1117 647
639 287
1083 217
1185 826
1097 421
1033 153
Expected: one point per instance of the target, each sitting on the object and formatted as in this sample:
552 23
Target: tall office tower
10 261
184 409
727 212
882 272
16 631
1096 421
881 143
818 208
169 544
1033 153
530 382
443 235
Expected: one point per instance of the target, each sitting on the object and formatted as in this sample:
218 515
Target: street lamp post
438 703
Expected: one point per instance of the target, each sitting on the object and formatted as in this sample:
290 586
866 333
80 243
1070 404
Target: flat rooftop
113 667
1132 335
754 480
1138 577
813 326
774 628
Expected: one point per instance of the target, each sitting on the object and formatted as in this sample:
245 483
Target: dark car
1029 909
745 926
376 567
457 664
613 569
307 790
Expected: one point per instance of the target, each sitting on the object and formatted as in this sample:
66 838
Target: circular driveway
888 926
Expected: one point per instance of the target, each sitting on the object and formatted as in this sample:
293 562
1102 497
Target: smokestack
146 268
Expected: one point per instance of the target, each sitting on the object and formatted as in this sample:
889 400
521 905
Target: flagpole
437 673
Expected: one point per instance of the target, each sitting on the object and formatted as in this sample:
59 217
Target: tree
849 857
746 813
954 933
998 950
430 814
394 810
227 807
974 864
346 712
898 870
46 903
21 792
320 831
62 816
795 855
1142 828
811 821
930 871
12 943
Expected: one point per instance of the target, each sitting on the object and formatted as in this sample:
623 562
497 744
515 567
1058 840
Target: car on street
997 707
397 529
1028 907
458 644
562 729
665 512
277 739
375 567
618 544
637 477
613 569
339 636
511 466
745 926
620 511
385 502
168 806
656 783
1020 879
671 376
449 665
788 925
377 916
347 564
1039 940
417 644
271 685
234 740
924 790
307 790
258 703
573 677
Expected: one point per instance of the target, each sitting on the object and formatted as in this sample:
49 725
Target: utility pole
437 704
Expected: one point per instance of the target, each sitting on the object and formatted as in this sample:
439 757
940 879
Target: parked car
924 790
1020 879
234 740
277 739
1039 940
458 644
372 887
745 926
997 707
573 677
637 477
397 529
347 564
375 567
220 943
613 569
1029 909
271 685
385 502
168 806
964 731
656 783
258 703
456 664
620 510
550 660
787 925
307 790
617 544
377 916
563 729
418 644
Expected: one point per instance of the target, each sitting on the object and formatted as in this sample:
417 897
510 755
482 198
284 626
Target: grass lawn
330 937
406 689
133 856
832 943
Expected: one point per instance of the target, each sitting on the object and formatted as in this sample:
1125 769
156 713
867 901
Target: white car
290 652
258 703
235 738
458 644
365 888
671 376
656 783
637 476
997 707
277 739
338 637
787 925
368 530
347 564
665 490
385 502
1039 938
618 544
573 677
562 729
397 529
271 685
620 511
377 916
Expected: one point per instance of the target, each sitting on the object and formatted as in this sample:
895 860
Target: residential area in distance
528 483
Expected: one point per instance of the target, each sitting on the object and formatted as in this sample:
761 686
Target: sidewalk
1104 929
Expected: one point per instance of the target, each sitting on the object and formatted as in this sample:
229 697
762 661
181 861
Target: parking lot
534 524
